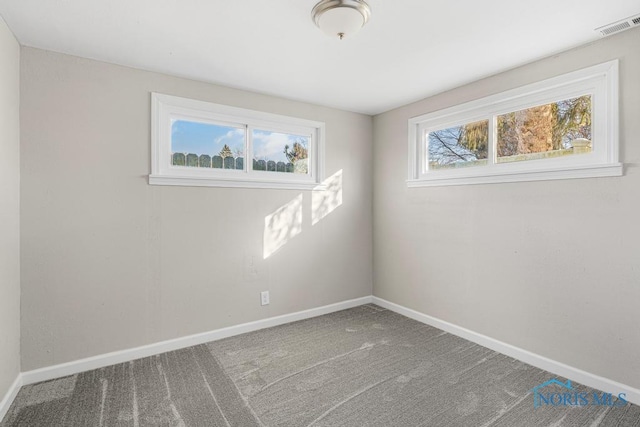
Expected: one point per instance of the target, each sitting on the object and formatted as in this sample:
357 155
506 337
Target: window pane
206 145
459 146
552 130
280 152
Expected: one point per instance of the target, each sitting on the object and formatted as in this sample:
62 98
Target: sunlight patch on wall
328 199
282 225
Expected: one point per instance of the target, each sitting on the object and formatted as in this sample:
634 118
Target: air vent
616 27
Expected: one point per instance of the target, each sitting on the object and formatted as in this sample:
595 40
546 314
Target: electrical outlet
264 298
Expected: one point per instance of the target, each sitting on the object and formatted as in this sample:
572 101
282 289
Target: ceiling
410 49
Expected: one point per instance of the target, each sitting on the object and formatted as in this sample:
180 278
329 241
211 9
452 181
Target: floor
365 366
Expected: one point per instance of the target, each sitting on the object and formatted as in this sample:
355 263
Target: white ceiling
409 50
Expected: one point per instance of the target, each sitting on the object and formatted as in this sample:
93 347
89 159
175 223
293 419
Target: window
198 143
565 127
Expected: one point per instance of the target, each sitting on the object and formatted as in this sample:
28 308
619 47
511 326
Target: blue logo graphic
563 394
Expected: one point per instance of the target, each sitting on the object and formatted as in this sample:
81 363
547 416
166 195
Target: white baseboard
6 402
557 368
100 361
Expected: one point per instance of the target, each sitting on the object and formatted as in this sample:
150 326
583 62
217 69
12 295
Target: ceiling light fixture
341 18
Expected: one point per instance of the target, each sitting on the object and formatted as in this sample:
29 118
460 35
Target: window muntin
598 156
199 143
545 131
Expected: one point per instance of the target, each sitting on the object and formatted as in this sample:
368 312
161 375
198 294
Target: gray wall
551 267
9 208
110 263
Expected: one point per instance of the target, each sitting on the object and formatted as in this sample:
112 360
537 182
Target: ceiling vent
616 27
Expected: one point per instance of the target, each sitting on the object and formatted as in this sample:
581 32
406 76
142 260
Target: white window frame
165 108
599 81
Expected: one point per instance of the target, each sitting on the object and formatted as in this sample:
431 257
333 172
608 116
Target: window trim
165 107
599 81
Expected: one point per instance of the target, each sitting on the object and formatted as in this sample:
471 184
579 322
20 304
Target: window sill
498 176
190 181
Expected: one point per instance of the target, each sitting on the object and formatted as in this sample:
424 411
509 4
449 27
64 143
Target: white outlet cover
264 298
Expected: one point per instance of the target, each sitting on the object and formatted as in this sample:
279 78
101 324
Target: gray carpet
360 367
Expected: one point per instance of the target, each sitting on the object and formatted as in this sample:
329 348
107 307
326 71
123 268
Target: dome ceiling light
341 18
